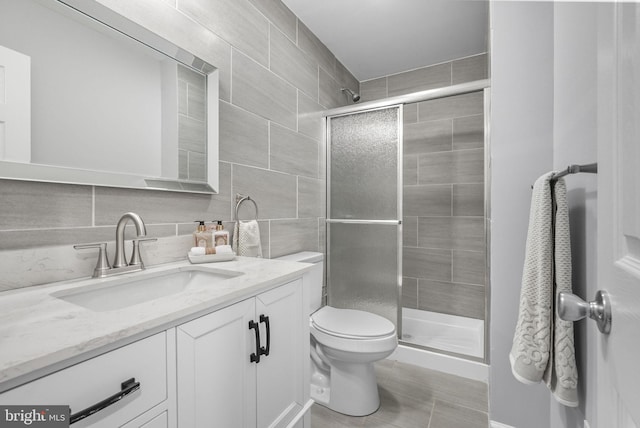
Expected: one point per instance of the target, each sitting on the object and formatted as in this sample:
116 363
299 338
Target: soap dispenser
202 237
220 236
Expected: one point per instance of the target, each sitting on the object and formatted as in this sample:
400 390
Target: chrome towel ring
240 199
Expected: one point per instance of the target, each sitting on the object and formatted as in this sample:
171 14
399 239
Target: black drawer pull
128 386
255 357
265 320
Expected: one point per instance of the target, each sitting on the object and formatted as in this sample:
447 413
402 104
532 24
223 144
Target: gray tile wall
275 79
444 225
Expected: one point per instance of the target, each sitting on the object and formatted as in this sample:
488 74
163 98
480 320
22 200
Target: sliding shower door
364 209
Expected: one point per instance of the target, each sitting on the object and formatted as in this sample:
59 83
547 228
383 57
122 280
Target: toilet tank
316 274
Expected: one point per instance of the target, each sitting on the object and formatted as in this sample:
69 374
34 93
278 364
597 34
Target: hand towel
246 239
543 344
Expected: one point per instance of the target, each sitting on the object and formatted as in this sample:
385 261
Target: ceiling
375 38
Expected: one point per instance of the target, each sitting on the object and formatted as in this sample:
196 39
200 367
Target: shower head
355 97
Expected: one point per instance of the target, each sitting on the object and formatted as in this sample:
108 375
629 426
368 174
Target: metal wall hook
573 308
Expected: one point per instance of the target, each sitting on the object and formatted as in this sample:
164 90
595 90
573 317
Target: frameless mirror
88 97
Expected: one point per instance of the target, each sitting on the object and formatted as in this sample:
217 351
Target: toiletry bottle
202 237
220 236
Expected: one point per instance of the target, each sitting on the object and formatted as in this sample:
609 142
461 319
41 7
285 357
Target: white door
15 106
618 378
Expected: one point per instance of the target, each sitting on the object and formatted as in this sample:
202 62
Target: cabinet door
281 373
216 380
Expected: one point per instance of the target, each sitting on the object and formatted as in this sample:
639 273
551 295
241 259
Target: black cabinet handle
128 386
255 357
263 351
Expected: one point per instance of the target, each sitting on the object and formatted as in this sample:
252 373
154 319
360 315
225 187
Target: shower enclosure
406 215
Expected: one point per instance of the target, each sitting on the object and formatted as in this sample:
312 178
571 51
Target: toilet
344 345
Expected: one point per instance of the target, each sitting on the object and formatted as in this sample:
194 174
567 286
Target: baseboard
495 424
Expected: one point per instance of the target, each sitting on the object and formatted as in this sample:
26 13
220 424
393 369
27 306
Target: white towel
543 345
246 239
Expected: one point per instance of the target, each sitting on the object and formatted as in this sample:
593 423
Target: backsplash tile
244 137
293 152
291 236
29 205
274 192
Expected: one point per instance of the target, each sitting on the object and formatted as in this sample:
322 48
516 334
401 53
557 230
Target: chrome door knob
572 308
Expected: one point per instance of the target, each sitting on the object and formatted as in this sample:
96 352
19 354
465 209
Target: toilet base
352 390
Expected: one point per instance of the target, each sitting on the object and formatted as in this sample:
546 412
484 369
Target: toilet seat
351 323
381 332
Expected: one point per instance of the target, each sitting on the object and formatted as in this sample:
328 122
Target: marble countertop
40 334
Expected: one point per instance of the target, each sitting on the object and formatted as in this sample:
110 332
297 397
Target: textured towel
246 239
543 346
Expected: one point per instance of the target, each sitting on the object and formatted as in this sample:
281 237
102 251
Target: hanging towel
543 344
246 239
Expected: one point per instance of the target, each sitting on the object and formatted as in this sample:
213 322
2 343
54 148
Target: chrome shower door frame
386 222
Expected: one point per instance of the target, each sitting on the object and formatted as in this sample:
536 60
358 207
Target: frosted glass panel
363 268
363 174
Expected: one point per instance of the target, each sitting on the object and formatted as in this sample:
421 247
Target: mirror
99 100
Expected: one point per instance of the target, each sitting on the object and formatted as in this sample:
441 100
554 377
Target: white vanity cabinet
147 361
227 377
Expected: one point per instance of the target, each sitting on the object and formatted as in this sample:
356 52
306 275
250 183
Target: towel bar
240 199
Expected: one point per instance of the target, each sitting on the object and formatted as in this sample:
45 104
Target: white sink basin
121 292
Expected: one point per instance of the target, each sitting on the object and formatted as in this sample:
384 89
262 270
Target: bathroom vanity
228 346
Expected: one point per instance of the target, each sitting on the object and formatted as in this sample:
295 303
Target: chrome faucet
141 232
120 265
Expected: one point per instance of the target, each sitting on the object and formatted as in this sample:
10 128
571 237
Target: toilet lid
351 322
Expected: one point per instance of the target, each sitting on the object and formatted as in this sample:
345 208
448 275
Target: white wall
544 106
575 132
522 150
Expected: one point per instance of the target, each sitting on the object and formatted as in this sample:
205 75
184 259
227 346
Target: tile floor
414 397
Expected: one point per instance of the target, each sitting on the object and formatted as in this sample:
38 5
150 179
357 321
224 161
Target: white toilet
344 345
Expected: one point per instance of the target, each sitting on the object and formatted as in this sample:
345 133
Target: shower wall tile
279 14
469 267
274 192
450 107
311 197
460 166
468 200
293 152
420 79
426 263
373 89
309 43
258 90
310 117
468 132
450 298
410 231
410 170
244 137
291 236
410 113
237 22
429 200
427 137
469 69
292 64
27 205
345 78
409 293
451 233
330 94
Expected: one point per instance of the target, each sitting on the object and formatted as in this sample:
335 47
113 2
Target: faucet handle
135 254
103 262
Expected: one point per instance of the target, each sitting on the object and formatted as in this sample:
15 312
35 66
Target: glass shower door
364 233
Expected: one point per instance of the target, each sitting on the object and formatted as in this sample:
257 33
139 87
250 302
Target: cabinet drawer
89 382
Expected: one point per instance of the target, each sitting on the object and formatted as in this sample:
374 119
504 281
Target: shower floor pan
443 332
